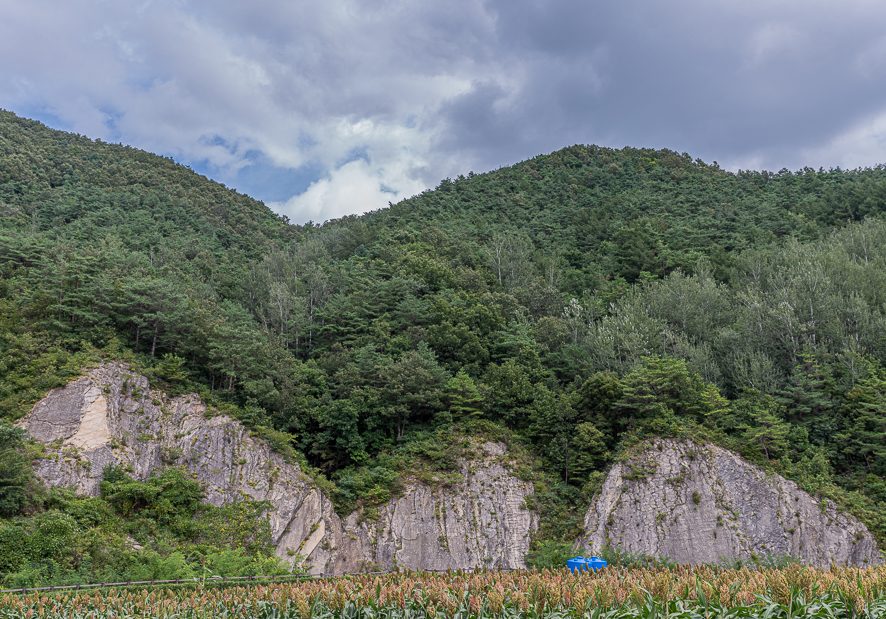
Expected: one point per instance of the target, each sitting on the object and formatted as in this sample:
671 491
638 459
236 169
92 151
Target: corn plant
643 593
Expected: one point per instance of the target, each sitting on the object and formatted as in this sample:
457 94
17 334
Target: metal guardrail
210 580
184 581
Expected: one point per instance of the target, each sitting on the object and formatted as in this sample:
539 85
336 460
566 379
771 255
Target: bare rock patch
698 503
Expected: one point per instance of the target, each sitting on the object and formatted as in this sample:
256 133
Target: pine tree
867 437
763 425
463 397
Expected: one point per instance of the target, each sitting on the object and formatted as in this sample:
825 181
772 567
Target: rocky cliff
112 416
669 498
697 503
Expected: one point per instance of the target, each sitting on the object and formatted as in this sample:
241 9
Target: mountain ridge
577 303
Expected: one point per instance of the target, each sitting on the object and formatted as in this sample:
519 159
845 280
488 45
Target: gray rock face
480 522
671 498
696 504
111 416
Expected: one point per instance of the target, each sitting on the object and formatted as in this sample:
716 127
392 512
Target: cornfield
684 591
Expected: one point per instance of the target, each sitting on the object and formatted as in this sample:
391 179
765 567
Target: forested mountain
575 303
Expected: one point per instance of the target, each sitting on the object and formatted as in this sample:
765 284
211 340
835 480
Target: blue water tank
578 563
581 564
595 563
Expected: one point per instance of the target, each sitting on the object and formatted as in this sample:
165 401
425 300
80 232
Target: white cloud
862 146
355 187
300 84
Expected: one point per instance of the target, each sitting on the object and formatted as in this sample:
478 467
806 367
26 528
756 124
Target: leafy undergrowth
682 591
154 530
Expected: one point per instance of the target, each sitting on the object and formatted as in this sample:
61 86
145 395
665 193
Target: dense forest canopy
570 304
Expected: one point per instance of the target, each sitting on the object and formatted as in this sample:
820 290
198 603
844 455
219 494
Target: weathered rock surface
696 504
111 416
480 522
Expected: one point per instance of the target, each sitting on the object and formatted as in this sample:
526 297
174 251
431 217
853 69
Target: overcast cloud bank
328 108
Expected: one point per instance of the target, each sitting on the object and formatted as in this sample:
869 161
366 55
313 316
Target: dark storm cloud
758 83
275 97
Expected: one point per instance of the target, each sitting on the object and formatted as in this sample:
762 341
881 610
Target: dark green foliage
659 386
75 539
56 536
573 303
463 397
866 436
589 450
240 526
15 470
169 499
14 549
595 399
762 424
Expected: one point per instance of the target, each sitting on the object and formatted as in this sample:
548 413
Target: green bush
167 499
550 553
14 548
55 536
15 470
242 526
365 485
236 562
87 511
150 565
36 574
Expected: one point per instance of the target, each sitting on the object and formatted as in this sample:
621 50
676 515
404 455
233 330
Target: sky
327 108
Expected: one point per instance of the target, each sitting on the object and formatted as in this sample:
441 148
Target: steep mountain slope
76 188
576 303
631 210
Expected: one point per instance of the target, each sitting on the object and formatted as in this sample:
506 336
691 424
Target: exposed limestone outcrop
112 416
670 498
697 504
480 522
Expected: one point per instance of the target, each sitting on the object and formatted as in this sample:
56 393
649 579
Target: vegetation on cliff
155 530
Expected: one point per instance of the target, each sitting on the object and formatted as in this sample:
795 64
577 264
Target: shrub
14 548
55 536
550 554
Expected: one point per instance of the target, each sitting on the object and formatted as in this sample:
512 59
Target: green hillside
573 303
